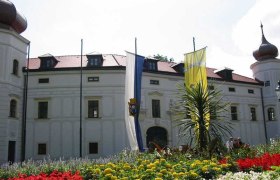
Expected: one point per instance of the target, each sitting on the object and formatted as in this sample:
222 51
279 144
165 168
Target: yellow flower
114 177
204 168
181 174
205 161
149 170
159 174
97 171
193 174
126 167
158 178
175 175
162 160
225 165
193 165
164 171
168 165
108 175
108 171
156 162
217 169
141 166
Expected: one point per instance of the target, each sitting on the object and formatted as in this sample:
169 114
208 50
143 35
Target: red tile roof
111 60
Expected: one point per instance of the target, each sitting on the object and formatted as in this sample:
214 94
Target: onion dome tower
266 50
13 52
10 18
267 70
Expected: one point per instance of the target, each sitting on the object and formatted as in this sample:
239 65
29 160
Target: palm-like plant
200 116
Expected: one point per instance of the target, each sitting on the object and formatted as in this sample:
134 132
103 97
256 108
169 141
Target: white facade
12 49
60 131
268 71
53 103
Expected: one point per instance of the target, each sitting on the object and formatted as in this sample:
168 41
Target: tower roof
10 18
266 50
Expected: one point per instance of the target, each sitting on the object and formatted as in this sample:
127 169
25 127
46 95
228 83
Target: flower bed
261 163
158 169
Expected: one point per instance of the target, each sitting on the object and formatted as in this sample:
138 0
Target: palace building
40 107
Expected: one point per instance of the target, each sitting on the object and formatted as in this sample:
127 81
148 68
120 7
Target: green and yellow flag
195 68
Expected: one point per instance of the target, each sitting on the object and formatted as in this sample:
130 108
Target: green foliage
272 147
163 58
191 112
255 151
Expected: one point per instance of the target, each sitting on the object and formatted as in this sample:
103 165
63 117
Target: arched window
271 114
13 108
15 67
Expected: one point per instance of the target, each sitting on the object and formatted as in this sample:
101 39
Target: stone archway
157 135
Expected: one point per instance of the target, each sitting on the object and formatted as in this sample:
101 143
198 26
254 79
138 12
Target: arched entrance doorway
157 135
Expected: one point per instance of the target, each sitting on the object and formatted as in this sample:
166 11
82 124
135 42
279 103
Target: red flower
264 162
55 175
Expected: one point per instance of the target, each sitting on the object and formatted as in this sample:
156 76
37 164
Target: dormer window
94 60
179 67
47 61
151 64
225 73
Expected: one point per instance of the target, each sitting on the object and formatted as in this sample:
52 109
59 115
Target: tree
163 58
206 109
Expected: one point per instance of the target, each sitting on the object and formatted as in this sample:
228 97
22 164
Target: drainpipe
24 108
264 121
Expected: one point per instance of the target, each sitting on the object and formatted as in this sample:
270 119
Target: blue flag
139 61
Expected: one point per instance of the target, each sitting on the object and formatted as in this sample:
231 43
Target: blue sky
229 28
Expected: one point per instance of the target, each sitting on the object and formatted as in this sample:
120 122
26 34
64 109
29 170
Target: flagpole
193 44
81 110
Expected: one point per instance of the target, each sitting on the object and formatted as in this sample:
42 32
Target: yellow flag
195 68
195 72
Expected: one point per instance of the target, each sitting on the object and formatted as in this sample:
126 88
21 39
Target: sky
229 28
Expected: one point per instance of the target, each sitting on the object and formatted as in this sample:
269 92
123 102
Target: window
43 80
15 67
94 61
93 109
93 79
271 114
43 110
253 114
250 91
231 89
42 149
155 82
267 83
93 148
150 65
233 111
13 108
47 63
156 108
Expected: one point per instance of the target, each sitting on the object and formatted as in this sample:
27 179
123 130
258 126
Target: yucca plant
200 115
